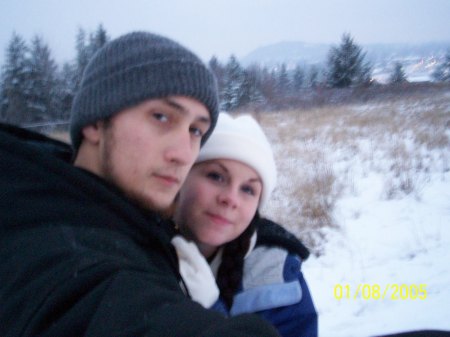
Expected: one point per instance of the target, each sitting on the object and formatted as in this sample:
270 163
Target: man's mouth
168 180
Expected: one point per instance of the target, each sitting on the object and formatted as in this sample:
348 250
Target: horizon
423 44
228 27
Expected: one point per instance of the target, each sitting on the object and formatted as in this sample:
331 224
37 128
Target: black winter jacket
78 259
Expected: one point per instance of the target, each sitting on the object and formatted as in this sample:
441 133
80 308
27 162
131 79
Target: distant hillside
288 52
418 60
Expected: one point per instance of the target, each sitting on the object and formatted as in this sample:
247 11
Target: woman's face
217 202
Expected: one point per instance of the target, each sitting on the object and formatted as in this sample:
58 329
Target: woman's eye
215 176
249 190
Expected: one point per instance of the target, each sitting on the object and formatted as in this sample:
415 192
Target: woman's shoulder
270 265
272 234
270 280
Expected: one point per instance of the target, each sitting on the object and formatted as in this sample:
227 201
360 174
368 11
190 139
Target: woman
256 263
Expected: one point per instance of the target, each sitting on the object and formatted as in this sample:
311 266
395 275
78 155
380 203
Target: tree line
35 90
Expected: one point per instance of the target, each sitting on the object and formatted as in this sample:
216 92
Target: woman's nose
229 197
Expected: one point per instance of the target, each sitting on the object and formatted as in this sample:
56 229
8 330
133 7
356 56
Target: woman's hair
230 272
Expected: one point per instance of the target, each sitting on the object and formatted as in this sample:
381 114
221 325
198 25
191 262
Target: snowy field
383 169
385 244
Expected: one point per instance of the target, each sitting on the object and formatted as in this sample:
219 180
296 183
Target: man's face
148 150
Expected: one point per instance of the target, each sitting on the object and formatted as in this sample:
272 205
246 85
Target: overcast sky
225 27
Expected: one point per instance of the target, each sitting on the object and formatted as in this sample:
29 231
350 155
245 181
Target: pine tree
66 90
346 65
15 84
313 77
398 74
268 84
43 83
233 82
365 74
251 87
86 48
97 39
219 71
82 57
283 81
442 72
298 78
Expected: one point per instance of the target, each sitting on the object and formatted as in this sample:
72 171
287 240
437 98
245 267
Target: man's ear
92 132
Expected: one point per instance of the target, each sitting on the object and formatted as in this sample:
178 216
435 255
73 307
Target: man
83 251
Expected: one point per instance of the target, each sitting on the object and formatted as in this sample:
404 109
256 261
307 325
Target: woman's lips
219 219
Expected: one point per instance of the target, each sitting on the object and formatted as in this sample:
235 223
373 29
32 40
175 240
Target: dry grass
320 151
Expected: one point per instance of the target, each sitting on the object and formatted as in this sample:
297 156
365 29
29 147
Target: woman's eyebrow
223 167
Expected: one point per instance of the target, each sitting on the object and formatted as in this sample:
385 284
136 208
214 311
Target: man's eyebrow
181 109
174 104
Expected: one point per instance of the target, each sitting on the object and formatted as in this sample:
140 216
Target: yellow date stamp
390 291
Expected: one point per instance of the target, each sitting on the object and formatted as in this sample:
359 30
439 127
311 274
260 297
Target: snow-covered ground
385 244
388 243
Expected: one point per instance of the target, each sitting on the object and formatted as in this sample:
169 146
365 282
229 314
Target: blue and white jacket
273 285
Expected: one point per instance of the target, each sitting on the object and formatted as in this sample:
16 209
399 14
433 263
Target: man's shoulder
40 190
26 142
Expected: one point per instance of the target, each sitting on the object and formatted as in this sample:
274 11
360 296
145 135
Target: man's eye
160 117
197 132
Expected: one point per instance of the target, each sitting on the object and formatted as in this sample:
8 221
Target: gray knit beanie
136 67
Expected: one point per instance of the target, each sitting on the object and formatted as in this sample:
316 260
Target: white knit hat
242 139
